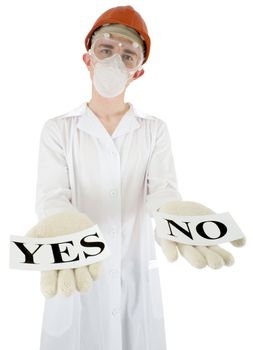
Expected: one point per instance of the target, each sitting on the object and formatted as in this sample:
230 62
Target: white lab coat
117 181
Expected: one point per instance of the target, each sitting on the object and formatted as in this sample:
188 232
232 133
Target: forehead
121 38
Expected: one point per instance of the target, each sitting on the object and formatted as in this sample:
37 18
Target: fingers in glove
95 270
66 282
83 279
214 259
48 283
192 255
170 249
226 256
239 242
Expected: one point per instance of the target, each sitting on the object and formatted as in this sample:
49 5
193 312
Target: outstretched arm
163 195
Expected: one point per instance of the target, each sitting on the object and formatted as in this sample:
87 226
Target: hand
65 281
198 256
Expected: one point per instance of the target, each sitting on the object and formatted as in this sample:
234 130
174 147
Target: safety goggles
104 47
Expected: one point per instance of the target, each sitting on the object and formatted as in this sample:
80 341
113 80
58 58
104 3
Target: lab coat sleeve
161 175
53 192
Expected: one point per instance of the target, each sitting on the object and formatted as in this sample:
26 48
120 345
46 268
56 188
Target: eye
128 58
106 52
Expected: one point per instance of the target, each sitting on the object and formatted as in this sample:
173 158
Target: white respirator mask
111 76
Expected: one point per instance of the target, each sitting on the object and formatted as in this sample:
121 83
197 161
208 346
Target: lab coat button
113 153
114 272
113 193
115 311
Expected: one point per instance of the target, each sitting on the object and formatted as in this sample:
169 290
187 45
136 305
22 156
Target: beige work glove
198 256
65 281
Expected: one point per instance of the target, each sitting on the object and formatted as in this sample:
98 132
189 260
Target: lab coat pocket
154 289
58 315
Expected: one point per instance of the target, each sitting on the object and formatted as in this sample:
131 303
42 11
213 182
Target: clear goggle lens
105 47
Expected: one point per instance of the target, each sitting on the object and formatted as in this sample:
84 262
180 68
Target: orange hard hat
127 16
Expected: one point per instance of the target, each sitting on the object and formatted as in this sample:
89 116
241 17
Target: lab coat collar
91 124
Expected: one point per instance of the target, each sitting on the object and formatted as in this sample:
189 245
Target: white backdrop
199 80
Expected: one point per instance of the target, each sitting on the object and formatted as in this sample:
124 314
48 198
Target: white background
199 79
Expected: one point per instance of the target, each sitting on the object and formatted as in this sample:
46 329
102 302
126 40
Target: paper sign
56 253
197 230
